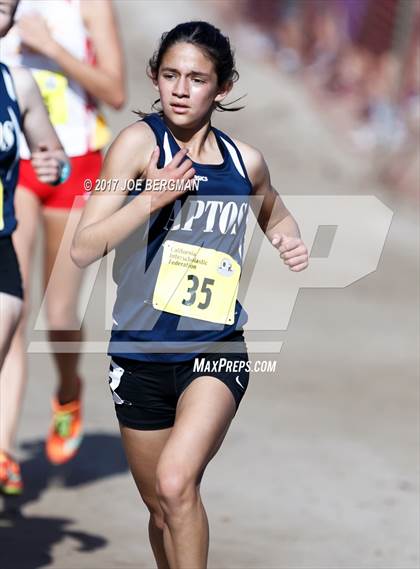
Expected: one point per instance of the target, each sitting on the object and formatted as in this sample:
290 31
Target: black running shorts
10 279
146 393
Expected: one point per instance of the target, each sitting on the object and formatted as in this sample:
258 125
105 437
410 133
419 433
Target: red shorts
83 167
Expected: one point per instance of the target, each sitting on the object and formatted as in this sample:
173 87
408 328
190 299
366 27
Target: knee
61 315
176 489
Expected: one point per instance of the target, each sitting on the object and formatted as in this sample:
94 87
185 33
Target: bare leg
143 449
10 312
14 373
204 413
62 282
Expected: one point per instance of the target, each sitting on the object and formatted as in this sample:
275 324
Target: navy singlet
10 126
177 275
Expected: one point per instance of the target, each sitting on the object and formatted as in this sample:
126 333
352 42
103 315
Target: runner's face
7 11
187 84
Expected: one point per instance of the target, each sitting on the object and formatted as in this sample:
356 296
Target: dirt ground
320 467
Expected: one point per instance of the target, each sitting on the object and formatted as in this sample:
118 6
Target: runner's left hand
292 250
35 33
47 164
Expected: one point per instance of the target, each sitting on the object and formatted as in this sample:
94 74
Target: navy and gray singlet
10 127
176 274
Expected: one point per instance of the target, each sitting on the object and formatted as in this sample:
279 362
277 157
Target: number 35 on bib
197 282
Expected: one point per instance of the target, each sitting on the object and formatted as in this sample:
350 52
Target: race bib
53 87
1 206
197 282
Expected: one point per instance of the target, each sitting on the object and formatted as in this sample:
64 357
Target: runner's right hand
172 171
47 164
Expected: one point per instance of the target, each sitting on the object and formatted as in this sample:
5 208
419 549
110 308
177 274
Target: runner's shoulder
255 164
138 133
135 142
22 76
25 86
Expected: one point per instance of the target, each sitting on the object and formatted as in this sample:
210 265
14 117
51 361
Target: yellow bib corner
53 87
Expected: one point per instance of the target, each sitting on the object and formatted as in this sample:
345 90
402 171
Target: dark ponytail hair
208 38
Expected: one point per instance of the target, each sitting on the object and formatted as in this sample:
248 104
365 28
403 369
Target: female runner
177 267
21 108
74 53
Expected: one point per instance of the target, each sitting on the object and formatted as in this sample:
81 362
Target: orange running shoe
65 433
10 477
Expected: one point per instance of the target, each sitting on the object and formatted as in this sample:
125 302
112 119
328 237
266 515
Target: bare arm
106 221
274 218
105 80
47 154
36 124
